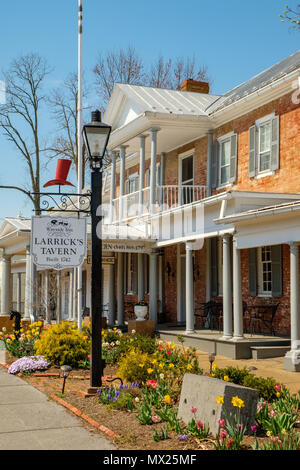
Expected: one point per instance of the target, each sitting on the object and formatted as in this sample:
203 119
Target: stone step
264 352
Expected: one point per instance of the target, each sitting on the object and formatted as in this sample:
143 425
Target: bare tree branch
19 116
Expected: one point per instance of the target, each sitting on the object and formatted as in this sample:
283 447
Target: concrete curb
89 420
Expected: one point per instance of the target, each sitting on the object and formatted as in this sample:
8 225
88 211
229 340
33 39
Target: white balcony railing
137 204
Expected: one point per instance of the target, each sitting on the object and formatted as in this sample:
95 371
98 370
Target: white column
74 303
292 357
120 299
111 295
112 186
227 289
208 269
141 285
27 307
122 180
153 168
142 173
162 177
6 285
180 318
153 288
190 317
19 284
209 160
47 298
237 294
71 295
58 297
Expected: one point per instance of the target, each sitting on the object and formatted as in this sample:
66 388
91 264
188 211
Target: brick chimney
194 85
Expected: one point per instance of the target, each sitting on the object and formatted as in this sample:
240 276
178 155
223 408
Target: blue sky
235 39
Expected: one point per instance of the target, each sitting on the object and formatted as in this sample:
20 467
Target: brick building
202 202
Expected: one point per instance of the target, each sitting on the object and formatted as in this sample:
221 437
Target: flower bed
143 410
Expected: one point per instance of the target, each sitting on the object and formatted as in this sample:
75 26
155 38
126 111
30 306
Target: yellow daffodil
278 394
149 370
214 367
154 361
226 378
237 402
141 365
171 365
283 431
161 365
189 367
220 400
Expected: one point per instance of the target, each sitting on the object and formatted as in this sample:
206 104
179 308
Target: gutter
274 210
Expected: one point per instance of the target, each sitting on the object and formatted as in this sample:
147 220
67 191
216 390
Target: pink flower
193 409
222 422
229 442
222 434
169 352
199 424
254 429
156 419
277 388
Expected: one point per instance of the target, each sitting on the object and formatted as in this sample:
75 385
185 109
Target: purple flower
183 437
254 429
28 364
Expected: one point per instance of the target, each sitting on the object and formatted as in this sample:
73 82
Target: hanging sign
58 242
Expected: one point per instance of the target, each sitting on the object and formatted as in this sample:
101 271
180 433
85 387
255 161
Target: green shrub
265 387
63 344
236 375
135 366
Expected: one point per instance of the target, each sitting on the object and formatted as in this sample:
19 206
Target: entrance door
187 179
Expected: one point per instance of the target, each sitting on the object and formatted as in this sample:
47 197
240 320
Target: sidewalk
29 421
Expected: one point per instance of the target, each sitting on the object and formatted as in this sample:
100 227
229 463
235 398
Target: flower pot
140 312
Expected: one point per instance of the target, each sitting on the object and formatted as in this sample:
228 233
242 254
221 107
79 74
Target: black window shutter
214 164
252 265
276 257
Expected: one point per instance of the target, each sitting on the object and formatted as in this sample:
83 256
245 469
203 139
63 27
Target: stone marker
201 392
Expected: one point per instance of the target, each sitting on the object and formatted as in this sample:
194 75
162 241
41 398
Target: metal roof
168 101
277 71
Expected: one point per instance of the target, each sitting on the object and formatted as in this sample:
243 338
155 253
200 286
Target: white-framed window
264 146
186 177
132 183
264 271
224 159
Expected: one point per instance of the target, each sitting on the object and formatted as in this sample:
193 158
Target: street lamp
96 135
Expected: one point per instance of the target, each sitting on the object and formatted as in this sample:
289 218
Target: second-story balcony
170 197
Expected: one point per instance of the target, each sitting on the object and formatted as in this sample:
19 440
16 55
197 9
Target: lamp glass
96 138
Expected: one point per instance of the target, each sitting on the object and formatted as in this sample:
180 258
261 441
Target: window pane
264 162
225 153
265 137
224 174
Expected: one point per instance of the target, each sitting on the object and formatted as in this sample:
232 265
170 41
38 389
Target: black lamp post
96 135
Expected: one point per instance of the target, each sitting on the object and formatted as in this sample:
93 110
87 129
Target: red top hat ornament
62 170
